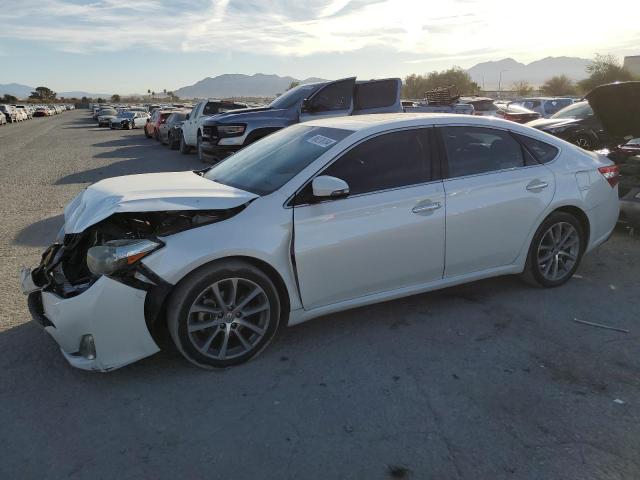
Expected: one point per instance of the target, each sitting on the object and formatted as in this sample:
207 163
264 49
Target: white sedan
316 218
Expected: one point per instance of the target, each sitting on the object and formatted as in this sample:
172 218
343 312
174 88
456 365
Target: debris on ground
618 401
398 471
600 325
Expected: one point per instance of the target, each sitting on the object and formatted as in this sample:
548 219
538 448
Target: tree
416 85
101 100
8 99
43 94
293 84
522 88
115 98
559 85
604 69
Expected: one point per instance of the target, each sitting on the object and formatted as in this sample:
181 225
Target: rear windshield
266 165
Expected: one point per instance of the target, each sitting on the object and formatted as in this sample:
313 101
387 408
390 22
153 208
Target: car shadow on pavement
137 159
41 233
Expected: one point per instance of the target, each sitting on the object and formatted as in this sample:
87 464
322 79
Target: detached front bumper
109 314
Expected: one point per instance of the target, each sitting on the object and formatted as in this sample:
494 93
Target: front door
333 100
496 194
387 234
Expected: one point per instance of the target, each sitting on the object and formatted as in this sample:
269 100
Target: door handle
426 207
537 185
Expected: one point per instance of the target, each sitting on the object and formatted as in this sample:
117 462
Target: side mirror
187 117
325 186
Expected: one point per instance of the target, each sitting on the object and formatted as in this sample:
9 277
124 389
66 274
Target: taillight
611 174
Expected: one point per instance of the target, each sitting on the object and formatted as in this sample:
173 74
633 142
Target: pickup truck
191 128
228 132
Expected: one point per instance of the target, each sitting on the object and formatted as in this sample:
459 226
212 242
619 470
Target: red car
157 118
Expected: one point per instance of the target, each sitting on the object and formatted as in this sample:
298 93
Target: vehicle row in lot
20 113
319 217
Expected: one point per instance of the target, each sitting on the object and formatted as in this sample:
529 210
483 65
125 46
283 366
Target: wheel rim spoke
558 251
223 309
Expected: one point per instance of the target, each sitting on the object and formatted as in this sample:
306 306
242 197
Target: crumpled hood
617 105
244 115
546 123
151 192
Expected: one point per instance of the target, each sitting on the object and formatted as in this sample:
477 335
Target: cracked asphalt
491 380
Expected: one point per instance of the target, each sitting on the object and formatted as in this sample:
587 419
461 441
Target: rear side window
475 150
378 94
543 152
392 160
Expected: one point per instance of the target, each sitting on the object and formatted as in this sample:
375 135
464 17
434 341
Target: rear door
377 96
333 100
386 235
189 128
496 194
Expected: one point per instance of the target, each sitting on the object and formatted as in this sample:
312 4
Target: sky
129 46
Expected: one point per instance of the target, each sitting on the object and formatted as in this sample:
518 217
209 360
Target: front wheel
184 148
556 251
223 314
584 141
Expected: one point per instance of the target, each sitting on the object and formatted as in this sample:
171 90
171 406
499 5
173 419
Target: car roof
387 121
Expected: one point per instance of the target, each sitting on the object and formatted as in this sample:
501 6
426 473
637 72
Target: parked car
192 126
10 113
576 124
170 131
487 107
546 106
157 118
129 120
228 132
28 115
42 112
3 119
106 115
377 213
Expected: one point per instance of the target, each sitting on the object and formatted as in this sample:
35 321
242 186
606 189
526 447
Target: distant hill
80 94
239 85
536 73
15 89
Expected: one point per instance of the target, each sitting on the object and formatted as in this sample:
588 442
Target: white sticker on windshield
321 141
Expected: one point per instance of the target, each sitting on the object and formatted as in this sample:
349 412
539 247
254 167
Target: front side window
391 160
266 165
475 150
333 97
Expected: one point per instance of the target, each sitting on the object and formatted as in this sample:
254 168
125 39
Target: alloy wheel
558 251
229 318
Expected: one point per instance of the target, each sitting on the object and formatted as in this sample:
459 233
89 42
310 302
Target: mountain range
487 74
238 85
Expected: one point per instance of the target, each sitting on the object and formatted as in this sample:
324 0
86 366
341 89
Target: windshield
107 112
579 111
293 96
265 166
128 114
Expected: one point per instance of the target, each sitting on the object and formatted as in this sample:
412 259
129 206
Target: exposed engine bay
64 268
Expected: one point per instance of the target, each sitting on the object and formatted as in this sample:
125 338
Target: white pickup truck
201 111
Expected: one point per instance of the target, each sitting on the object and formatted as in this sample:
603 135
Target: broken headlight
117 254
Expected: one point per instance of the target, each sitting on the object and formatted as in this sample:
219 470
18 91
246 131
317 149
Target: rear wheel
556 251
223 314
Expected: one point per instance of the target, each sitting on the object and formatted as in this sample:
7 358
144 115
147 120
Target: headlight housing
117 254
231 130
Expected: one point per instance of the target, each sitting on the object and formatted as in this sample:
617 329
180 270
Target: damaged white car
316 218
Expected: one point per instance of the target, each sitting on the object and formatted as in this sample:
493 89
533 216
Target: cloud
447 28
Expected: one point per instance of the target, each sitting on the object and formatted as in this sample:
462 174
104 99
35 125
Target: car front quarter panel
262 231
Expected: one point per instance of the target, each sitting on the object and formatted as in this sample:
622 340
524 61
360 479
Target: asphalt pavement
491 380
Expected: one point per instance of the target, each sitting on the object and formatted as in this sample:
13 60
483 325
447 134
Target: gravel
490 380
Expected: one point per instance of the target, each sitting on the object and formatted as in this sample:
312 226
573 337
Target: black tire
534 271
184 148
199 148
129 126
146 134
193 286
